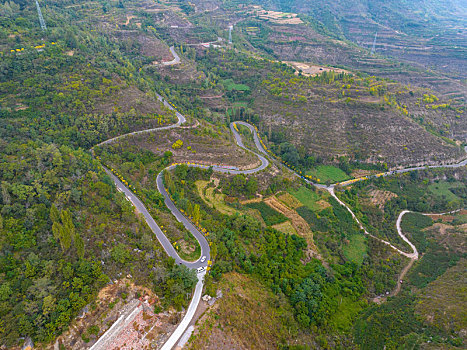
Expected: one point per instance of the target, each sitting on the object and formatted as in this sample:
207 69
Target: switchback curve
202 262
205 251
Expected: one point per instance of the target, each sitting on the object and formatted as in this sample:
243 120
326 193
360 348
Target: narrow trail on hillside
405 270
201 263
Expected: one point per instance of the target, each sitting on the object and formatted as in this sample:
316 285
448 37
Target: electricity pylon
373 49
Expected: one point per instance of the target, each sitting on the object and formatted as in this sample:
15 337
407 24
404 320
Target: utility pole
373 49
41 19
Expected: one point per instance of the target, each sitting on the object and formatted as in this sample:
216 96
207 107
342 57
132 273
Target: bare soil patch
253 200
323 204
360 173
110 302
128 19
447 218
277 16
309 69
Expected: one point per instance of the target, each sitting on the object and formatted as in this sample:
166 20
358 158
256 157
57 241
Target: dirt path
400 280
381 299
128 19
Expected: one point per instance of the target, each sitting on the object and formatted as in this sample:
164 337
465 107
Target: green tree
48 305
67 222
54 214
79 245
5 291
196 213
65 231
189 209
5 193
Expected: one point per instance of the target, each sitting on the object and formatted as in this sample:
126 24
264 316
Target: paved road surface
205 250
162 238
181 119
164 241
176 59
170 343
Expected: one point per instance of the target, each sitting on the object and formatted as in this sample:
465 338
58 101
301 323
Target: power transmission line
41 19
373 49
230 34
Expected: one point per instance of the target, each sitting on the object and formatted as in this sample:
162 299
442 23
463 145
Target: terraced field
214 200
309 198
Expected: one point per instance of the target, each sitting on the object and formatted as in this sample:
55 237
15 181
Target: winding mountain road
176 59
162 238
204 244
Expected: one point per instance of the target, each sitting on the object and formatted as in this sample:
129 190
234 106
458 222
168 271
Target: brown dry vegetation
311 69
356 129
211 198
289 200
276 16
144 44
323 204
286 227
248 316
303 43
185 72
208 146
441 301
126 99
451 237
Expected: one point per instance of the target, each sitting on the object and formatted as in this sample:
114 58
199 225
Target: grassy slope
215 200
307 197
328 172
440 300
356 249
443 189
285 227
248 316
269 215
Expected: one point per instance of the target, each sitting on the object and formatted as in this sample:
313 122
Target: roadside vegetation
295 268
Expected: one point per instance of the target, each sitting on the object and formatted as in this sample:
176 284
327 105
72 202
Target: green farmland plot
307 197
328 173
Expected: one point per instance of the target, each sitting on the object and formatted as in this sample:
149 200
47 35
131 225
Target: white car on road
203 259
